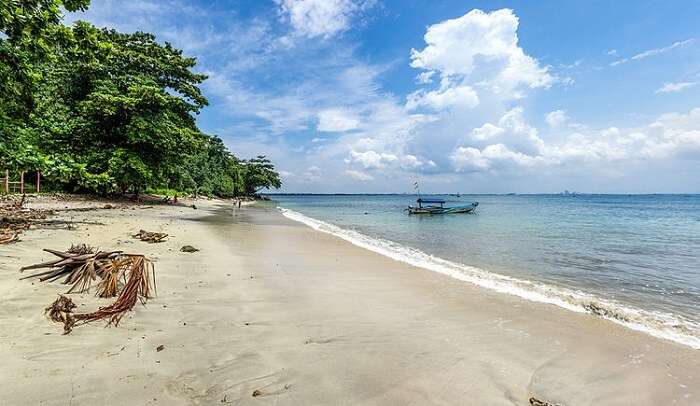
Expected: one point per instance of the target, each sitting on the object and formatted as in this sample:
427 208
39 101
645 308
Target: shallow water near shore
632 259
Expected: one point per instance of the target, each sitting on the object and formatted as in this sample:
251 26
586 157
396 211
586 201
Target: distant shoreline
481 194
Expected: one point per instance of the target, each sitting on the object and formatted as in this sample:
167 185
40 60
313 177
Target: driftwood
14 219
8 237
537 402
151 237
130 277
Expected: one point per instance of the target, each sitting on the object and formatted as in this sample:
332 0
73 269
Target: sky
369 96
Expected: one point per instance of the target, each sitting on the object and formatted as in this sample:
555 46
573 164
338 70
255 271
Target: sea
632 259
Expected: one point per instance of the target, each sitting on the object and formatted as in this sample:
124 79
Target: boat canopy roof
439 201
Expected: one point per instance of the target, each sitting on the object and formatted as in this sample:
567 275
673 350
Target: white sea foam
657 324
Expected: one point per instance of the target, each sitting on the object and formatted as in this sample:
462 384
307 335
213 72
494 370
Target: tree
103 111
123 104
31 30
258 174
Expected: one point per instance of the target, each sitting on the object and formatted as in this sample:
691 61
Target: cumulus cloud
358 175
556 118
675 87
371 159
673 134
486 132
466 158
446 97
321 18
481 48
336 120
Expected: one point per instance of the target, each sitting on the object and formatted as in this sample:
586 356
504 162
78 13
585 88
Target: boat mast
416 187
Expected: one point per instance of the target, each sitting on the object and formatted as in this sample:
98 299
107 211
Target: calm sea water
633 259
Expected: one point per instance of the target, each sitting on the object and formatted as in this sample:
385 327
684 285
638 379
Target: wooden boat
437 206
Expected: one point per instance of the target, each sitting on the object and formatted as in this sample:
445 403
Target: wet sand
272 308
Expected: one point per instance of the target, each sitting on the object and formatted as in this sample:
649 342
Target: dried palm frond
141 280
81 278
130 277
112 273
80 265
60 311
81 249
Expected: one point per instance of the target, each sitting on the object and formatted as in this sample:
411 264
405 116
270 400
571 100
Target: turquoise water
633 259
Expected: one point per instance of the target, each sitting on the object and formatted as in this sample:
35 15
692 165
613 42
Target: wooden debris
8 237
14 219
151 237
536 402
160 348
189 248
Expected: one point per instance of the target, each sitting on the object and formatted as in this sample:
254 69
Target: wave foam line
661 325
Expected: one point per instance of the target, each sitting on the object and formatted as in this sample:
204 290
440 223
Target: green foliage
103 111
258 174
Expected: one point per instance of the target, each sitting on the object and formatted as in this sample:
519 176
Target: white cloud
472 159
457 96
486 132
358 175
425 77
556 118
479 48
675 87
612 52
671 135
468 158
321 18
336 120
371 159
653 52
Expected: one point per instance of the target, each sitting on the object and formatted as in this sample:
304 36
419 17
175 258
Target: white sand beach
271 308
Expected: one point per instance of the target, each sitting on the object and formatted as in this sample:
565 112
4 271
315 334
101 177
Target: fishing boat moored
437 206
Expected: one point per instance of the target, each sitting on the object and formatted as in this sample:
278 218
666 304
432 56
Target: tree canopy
108 112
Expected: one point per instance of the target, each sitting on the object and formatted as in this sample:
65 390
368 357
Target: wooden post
38 180
7 181
21 182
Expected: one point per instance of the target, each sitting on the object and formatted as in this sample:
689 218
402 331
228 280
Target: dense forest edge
104 112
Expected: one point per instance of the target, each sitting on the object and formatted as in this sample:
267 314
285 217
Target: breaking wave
658 324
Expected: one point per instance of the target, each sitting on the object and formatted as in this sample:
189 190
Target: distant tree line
106 112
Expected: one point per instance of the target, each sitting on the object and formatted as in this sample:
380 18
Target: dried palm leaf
140 282
60 311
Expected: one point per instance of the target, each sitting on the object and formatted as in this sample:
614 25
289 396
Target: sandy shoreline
302 317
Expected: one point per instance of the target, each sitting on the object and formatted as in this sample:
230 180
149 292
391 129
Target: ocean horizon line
479 194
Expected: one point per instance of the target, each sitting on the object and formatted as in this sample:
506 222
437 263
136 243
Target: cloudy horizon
371 95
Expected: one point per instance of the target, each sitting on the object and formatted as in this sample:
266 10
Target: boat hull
442 210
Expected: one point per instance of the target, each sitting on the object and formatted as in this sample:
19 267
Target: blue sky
465 96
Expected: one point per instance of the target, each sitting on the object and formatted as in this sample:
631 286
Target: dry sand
298 317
